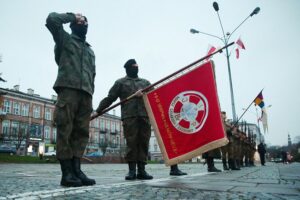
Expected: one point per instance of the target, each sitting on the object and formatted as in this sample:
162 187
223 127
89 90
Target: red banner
186 116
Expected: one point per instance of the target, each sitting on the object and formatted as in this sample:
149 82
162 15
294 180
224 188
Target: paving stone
42 182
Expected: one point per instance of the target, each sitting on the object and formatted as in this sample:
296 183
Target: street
41 181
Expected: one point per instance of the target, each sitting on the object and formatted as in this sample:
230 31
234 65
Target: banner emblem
185 115
188 111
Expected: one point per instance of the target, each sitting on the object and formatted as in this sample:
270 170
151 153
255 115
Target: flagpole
163 79
245 110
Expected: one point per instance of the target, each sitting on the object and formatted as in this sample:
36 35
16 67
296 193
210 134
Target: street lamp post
225 40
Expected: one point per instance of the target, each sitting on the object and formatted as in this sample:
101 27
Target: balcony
114 132
113 145
103 130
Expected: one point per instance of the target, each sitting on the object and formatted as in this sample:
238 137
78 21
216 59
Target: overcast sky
156 33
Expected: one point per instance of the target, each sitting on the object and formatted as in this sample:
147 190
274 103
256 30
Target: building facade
26 124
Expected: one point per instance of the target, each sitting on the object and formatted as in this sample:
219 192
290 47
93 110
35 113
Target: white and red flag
185 115
211 49
240 45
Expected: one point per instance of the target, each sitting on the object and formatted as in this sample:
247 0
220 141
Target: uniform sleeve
54 23
112 96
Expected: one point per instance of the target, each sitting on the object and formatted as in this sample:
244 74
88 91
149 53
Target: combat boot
242 163
142 174
176 172
224 164
246 162
68 178
232 164
79 174
211 166
132 171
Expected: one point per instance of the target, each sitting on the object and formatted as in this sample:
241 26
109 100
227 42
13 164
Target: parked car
276 160
50 153
7 150
94 154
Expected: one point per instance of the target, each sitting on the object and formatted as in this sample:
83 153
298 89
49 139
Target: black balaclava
79 29
131 71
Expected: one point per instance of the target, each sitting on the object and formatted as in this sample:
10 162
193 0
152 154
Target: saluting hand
80 19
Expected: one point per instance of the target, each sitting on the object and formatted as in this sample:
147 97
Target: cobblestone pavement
41 181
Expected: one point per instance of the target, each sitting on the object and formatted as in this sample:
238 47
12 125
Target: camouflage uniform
74 86
233 150
252 152
225 149
137 128
243 149
209 157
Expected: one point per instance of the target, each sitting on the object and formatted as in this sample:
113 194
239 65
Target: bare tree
297 139
19 137
103 146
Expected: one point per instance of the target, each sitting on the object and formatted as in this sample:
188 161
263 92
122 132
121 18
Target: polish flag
240 44
237 52
210 51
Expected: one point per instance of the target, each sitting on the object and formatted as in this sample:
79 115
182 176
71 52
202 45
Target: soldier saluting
74 87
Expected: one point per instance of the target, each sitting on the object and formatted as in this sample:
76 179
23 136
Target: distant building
289 141
154 150
26 122
252 131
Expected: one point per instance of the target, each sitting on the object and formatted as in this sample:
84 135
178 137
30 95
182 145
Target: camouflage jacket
123 88
74 57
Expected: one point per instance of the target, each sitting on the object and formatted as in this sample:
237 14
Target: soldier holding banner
136 125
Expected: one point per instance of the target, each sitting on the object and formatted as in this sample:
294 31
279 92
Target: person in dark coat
262 151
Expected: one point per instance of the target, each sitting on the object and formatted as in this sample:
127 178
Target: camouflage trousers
225 151
137 132
72 116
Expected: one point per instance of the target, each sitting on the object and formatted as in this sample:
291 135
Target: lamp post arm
226 40
211 35
238 27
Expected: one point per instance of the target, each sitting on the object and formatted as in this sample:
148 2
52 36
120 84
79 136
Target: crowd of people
239 152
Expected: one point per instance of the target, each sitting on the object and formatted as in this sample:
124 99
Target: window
36 111
48 114
47 132
118 125
96 123
16 108
117 141
25 109
7 106
113 127
54 135
102 139
35 131
15 128
5 127
108 124
24 129
96 138
102 125
155 147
